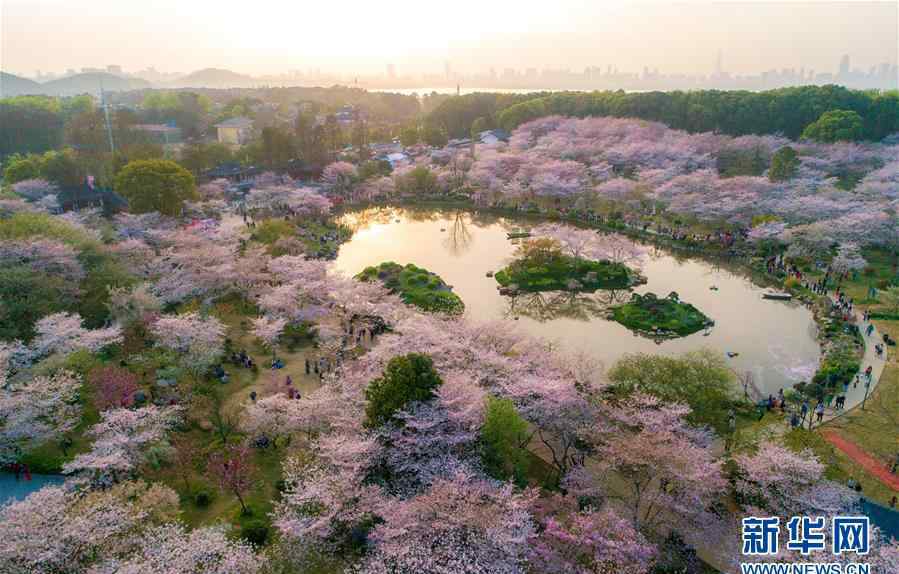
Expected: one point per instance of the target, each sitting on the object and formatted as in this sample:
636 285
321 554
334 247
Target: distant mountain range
214 78
12 85
89 83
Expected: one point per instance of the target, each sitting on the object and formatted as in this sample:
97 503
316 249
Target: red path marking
868 462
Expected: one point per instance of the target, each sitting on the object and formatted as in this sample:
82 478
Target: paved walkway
873 466
856 394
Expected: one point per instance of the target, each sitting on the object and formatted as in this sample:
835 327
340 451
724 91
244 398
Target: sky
363 37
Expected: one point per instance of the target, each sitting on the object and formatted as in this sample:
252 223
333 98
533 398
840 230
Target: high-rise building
844 66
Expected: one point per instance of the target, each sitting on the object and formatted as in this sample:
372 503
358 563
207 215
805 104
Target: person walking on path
819 412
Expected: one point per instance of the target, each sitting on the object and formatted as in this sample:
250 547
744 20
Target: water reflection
773 340
552 305
459 237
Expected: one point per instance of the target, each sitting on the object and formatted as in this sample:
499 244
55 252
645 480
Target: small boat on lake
518 233
777 296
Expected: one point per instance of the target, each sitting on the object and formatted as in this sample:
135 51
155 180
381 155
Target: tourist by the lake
253 396
845 387
841 402
794 420
893 502
819 411
804 409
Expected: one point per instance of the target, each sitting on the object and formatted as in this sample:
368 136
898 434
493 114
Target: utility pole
106 115
867 388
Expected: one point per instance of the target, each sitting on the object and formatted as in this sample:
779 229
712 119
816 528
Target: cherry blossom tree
199 339
15 356
666 464
588 541
63 333
120 439
173 549
328 495
113 387
849 258
133 305
778 480
283 199
426 445
586 243
194 264
340 176
45 256
214 189
233 470
60 529
571 162
41 409
461 524
269 330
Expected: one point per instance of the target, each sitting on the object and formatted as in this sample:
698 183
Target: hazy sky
346 36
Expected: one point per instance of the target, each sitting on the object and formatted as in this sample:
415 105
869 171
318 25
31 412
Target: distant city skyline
363 39
881 76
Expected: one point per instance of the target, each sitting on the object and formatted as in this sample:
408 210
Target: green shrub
255 532
504 436
203 498
271 230
406 379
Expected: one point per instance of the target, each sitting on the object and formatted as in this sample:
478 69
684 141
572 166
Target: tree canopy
835 126
700 379
155 185
406 379
784 111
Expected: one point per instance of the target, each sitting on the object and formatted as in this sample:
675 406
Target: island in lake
665 318
542 266
415 286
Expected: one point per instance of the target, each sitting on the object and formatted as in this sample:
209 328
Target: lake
12 489
774 340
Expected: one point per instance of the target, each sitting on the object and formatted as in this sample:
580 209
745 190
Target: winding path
871 465
856 394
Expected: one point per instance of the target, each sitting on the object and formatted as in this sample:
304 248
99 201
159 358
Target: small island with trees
415 286
666 318
542 266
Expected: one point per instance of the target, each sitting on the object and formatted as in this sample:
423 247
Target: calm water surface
774 340
12 489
